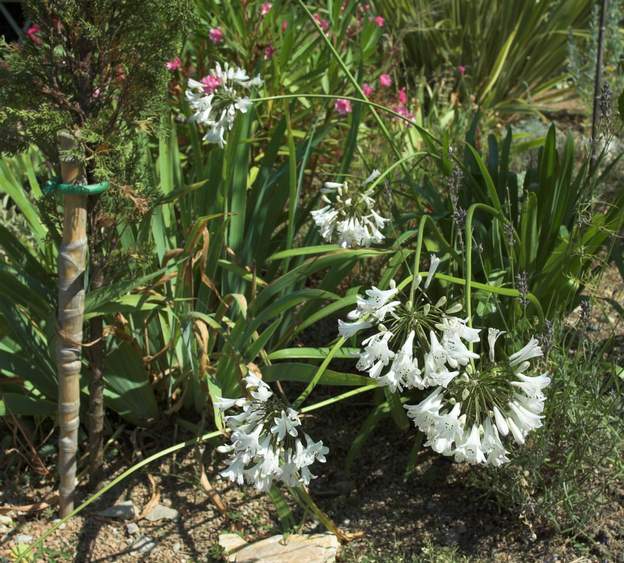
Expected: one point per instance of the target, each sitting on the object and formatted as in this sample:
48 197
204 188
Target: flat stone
6 520
23 538
121 511
230 542
132 528
296 548
144 545
161 512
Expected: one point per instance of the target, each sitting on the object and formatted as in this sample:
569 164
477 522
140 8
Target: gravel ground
434 515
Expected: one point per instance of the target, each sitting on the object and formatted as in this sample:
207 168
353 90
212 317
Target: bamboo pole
71 295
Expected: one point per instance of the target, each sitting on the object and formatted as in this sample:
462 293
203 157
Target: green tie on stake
52 186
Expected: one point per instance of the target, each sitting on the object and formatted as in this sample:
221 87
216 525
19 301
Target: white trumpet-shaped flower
403 372
470 448
531 350
347 330
493 335
433 266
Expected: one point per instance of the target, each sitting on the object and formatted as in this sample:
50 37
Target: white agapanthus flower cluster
265 440
388 355
476 402
216 98
471 418
349 217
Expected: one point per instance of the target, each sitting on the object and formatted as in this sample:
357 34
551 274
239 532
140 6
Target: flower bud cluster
349 217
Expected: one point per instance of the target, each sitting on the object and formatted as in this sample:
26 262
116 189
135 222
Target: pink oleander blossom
461 69
402 110
174 64
367 89
402 97
210 83
284 26
269 50
342 106
216 35
379 21
33 34
265 8
323 23
385 81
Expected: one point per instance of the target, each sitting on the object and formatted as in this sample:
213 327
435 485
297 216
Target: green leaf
284 514
128 390
313 354
25 405
293 371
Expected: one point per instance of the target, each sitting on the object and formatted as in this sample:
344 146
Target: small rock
4 529
144 545
6 520
161 512
177 547
121 511
312 548
132 528
23 538
56 521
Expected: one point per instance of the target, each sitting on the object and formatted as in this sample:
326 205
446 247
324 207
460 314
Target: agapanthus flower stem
419 242
319 372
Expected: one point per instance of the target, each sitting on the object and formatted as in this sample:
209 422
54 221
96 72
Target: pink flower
268 52
174 64
33 34
323 24
402 110
216 35
342 106
265 8
367 89
379 21
385 81
402 97
211 83
461 69
284 26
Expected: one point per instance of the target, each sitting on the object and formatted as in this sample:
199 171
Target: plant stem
468 258
319 372
597 82
422 131
419 243
71 295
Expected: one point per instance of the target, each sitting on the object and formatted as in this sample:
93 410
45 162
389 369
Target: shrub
566 476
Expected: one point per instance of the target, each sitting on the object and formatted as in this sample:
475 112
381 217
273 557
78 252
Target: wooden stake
604 6
71 296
